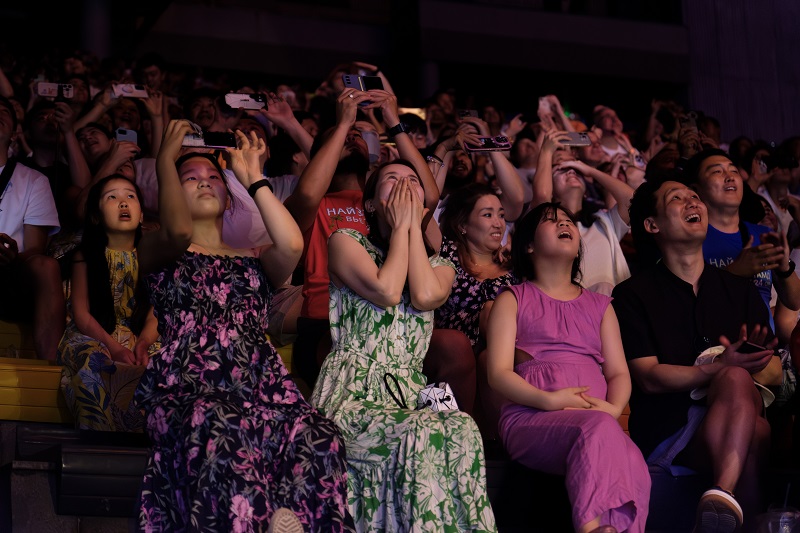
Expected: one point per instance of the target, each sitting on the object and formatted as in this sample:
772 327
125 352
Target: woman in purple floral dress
234 443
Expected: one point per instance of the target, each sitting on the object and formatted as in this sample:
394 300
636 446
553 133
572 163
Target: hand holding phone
362 83
500 143
208 139
129 90
246 101
749 347
575 138
122 134
54 90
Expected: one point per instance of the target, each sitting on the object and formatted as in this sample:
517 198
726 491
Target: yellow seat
16 339
30 391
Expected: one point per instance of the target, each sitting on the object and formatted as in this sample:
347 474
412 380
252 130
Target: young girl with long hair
112 330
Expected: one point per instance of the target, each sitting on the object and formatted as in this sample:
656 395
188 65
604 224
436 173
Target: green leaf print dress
407 470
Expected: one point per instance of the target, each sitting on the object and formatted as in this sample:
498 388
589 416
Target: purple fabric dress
233 438
605 471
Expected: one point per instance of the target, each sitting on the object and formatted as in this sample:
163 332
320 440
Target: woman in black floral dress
473 229
234 443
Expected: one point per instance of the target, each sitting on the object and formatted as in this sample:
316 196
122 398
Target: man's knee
730 379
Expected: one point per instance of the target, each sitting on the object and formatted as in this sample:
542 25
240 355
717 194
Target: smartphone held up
54 90
499 143
246 101
129 90
362 83
209 139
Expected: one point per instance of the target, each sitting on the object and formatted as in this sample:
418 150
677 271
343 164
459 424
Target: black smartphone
371 82
219 139
749 347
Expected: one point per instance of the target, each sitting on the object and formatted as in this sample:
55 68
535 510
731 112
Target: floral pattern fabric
408 470
462 310
99 390
233 439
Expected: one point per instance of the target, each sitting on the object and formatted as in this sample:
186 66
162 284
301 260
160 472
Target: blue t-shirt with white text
721 249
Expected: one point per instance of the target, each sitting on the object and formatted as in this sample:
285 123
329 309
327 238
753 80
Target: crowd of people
164 244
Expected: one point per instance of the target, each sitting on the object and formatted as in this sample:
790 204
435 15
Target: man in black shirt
671 312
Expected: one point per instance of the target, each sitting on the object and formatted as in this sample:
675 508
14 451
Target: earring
463 232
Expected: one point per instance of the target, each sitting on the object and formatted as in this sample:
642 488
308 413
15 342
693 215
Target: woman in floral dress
473 227
409 470
234 443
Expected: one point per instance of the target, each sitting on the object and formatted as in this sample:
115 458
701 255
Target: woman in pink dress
554 351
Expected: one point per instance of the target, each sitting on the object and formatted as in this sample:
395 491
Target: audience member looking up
685 413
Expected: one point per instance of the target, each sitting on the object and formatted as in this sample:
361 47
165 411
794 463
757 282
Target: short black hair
643 206
5 102
750 209
692 169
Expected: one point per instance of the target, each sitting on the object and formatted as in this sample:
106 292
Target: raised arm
120 152
508 181
102 103
543 179
154 104
429 286
387 103
349 263
281 256
280 113
618 189
175 232
317 176
78 168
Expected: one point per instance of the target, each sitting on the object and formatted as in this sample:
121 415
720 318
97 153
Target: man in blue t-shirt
740 247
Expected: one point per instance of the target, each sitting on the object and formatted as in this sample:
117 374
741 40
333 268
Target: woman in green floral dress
408 470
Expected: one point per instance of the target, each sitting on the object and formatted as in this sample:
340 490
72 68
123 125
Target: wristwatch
784 275
402 127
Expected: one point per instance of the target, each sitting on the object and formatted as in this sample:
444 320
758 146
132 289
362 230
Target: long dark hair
371 218
93 247
455 214
524 233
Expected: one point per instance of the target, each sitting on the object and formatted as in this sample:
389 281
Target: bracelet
434 159
784 275
401 127
251 190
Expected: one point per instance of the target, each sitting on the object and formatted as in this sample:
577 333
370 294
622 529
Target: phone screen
220 139
749 347
372 82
